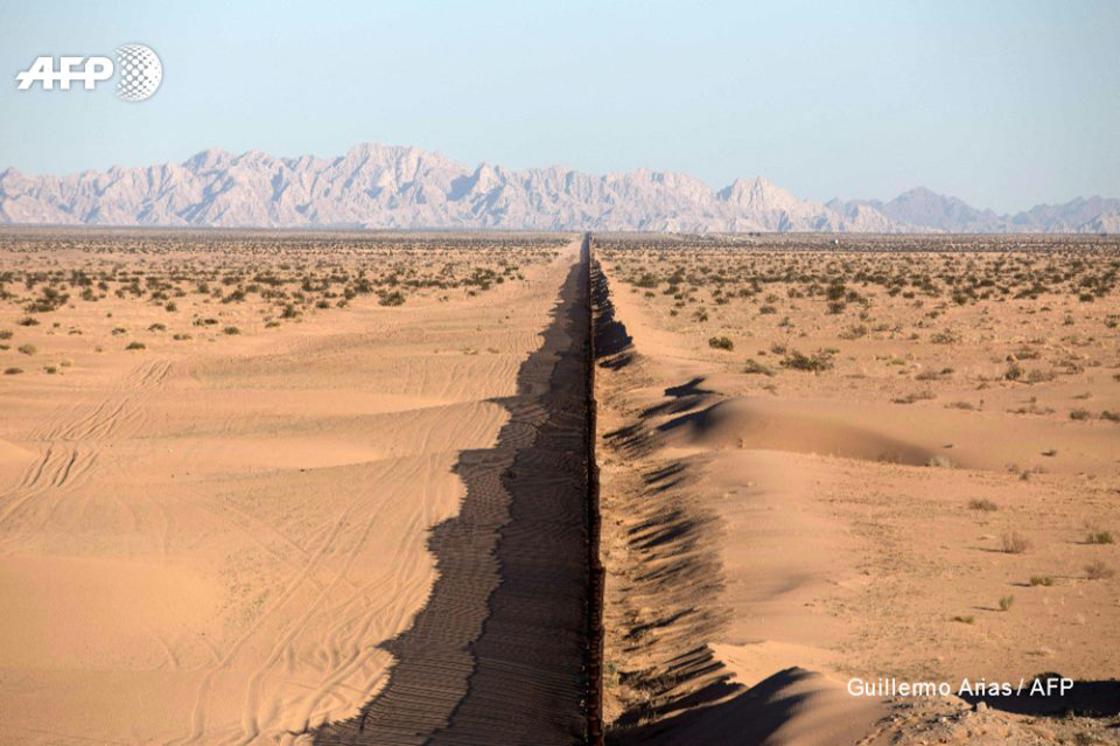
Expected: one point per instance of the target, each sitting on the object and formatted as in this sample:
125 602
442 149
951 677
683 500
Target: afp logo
138 68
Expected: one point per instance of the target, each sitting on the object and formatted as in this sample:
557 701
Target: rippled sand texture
209 540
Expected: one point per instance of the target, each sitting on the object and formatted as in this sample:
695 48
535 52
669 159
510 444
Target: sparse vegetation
1099 537
1014 542
816 363
754 367
1098 570
395 298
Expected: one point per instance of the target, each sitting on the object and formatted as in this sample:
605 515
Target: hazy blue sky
1005 104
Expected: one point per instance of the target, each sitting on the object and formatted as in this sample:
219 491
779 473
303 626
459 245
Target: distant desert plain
268 487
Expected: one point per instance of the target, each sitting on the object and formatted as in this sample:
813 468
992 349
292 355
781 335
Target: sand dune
210 541
761 425
793 706
769 521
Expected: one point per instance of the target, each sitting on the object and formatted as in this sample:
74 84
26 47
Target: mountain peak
404 187
758 193
207 159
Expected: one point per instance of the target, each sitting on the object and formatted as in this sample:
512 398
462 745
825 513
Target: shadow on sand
498 653
750 716
614 347
1085 699
662 604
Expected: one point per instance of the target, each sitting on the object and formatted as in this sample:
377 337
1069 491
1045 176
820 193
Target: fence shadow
497 654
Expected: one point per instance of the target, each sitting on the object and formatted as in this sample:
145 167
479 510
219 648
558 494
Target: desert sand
332 488
918 482
222 457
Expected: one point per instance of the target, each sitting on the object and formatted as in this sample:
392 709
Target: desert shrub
1043 580
1098 570
721 343
1099 537
946 337
395 298
28 349
914 396
815 363
1015 543
752 366
5 333
1005 602
12 371
982 504
231 330
1038 375
135 346
1080 414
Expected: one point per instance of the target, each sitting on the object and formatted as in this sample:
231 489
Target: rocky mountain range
379 186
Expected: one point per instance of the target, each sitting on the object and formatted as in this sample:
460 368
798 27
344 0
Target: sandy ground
276 488
915 509
205 540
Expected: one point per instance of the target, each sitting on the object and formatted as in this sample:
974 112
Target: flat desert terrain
222 458
875 458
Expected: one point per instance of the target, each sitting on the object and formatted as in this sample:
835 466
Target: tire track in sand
70 443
